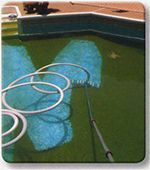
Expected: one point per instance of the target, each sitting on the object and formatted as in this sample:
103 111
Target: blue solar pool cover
52 128
15 63
8 151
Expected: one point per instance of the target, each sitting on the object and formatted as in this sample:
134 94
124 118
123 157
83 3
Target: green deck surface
118 106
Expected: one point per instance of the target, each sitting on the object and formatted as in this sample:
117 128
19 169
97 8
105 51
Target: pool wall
81 22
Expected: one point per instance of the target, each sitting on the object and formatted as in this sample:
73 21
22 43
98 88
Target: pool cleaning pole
93 121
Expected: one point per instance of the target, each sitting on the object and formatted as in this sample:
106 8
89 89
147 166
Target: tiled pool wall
54 24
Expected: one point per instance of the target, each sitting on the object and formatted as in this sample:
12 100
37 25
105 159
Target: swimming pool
118 105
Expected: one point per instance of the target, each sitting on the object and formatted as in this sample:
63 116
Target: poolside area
131 10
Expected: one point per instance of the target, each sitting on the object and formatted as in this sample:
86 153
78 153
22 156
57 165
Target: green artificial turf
118 106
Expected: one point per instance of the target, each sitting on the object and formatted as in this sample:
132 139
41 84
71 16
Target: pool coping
80 13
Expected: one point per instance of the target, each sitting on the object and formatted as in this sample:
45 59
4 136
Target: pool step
9 29
9 33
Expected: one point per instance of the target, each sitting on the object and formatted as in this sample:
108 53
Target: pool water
118 105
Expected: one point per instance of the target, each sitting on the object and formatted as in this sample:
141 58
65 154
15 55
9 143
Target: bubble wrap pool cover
52 128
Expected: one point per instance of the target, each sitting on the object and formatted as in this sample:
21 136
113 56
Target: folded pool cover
52 128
